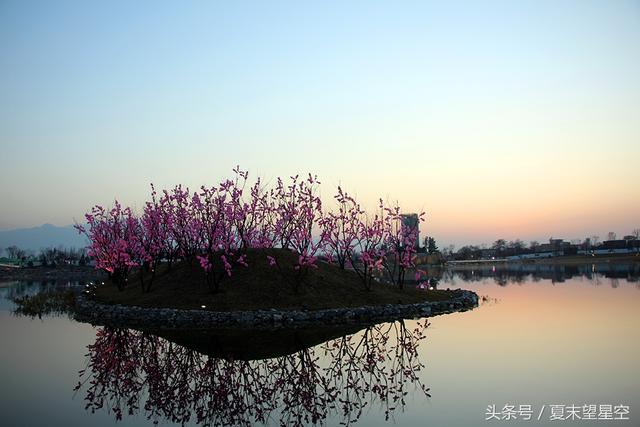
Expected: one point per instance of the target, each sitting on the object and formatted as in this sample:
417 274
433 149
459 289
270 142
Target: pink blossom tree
340 229
369 244
399 240
218 225
183 230
110 233
149 240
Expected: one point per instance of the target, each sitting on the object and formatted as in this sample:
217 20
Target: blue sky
518 119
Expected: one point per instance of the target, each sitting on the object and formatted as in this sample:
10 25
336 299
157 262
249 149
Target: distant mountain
41 237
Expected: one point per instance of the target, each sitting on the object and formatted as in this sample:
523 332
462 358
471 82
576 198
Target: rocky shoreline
90 311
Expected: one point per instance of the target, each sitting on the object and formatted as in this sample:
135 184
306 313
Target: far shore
87 273
70 273
568 259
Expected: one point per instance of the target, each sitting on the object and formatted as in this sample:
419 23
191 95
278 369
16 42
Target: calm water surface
557 335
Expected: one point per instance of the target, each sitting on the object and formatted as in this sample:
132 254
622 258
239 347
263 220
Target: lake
546 342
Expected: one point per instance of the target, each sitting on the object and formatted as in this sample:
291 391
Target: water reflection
542 344
519 273
182 377
10 291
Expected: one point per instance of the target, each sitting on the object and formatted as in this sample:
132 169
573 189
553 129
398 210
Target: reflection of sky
537 344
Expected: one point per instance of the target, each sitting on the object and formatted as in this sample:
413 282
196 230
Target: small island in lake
241 248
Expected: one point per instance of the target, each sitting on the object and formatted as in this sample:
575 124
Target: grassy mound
261 286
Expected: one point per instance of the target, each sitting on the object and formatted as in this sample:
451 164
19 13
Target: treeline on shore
519 249
46 257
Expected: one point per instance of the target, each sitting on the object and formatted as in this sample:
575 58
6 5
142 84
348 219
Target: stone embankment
91 311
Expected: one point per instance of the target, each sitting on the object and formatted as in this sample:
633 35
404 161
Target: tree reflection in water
131 372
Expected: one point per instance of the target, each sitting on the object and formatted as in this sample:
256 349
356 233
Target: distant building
412 221
555 247
622 246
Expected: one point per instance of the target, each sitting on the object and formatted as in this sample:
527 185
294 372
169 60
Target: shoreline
63 273
86 273
569 259
90 311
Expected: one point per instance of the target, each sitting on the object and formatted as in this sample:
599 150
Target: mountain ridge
42 236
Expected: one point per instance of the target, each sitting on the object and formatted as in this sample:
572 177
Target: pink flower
227 266
241 260
204 263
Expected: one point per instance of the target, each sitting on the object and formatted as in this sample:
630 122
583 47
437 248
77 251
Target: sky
499 118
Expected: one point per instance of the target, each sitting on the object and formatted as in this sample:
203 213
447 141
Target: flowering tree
296 211
169 250
213 219
149 239
340 229
369 243
399 240
182 225
307 213
217 226
111 234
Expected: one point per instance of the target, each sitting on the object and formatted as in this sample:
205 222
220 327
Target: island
240 253
262 296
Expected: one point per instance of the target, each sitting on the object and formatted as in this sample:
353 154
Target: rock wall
90 311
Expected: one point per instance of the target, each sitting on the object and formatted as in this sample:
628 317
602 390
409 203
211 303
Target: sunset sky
499 119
